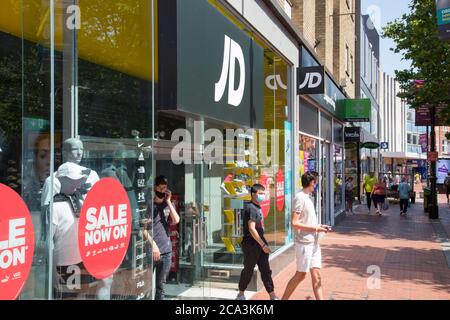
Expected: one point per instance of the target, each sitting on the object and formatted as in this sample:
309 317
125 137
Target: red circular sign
16 243
265 205
105 228
280 190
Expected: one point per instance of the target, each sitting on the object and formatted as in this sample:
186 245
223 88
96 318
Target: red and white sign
16 243
432 156
265 205
104 228
280 190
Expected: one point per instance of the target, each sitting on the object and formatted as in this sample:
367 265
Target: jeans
254 255
162 269
369 200
404 205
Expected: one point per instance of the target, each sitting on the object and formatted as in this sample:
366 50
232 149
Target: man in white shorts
308 233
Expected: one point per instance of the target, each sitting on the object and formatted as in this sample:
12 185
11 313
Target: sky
385 11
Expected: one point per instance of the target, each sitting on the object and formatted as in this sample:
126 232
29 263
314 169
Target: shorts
308 256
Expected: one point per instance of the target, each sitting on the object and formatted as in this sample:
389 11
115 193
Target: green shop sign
370 145
354 110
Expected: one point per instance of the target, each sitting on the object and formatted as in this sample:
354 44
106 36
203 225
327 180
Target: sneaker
275 298
238 297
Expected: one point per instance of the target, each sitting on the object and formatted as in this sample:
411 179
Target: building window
347 60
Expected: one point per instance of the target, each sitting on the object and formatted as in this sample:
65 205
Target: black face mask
160 195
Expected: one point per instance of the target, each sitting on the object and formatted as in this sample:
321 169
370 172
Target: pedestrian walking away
379 196
349 196
447 186
368 184
404 192
308 233
254 245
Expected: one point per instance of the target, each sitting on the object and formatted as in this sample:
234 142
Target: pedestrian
379 195
308 232
417 178
404 189
254 245
447 186
368 183
349 196
164 214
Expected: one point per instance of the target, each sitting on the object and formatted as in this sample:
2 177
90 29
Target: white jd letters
274 81
232 52
312 79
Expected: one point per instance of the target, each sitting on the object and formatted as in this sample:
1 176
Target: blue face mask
261 198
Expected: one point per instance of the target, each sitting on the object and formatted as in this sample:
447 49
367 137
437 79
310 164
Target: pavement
368 257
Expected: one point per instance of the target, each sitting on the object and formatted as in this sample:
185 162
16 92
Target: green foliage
417 39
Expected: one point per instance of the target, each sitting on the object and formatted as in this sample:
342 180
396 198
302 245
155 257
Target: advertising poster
443 17
16 243
442 169
287 177
423 142
265 206
104 228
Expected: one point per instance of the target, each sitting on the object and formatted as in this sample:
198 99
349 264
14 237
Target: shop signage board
211 67
311 80
443 17
432 156
352 134
104 228
371 145
16 243
384 145
354 110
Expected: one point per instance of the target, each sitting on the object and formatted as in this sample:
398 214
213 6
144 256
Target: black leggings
369 199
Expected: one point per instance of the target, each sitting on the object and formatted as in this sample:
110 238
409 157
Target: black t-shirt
253 212
161 232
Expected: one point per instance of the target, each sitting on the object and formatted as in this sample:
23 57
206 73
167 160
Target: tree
417 39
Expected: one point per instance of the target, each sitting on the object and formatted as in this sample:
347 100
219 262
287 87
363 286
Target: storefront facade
197 93
321 145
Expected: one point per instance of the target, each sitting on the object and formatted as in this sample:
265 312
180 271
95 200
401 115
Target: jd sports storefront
180 88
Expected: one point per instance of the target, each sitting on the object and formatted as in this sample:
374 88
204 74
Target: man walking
254 245
447 186
403 191
307 249
368 184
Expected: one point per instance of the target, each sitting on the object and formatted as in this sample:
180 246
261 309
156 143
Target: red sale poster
265 206
16 243
280 190
104 228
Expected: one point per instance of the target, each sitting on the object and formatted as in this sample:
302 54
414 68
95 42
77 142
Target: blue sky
385 11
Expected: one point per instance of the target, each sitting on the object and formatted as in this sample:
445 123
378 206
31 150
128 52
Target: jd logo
274 81
311 80
232 52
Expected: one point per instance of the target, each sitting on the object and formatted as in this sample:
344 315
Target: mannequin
72 152
66 212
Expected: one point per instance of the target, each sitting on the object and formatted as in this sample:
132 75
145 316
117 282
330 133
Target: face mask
261 197
160 195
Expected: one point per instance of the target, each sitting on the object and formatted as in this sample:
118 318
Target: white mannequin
72 152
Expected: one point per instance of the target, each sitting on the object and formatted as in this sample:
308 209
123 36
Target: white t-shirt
305 206
46 195
65 238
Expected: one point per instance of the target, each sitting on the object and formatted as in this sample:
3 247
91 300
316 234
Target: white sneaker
238 297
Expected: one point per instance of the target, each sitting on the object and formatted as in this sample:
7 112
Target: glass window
338 163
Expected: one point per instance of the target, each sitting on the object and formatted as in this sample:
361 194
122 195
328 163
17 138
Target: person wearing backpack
254 245
447 186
